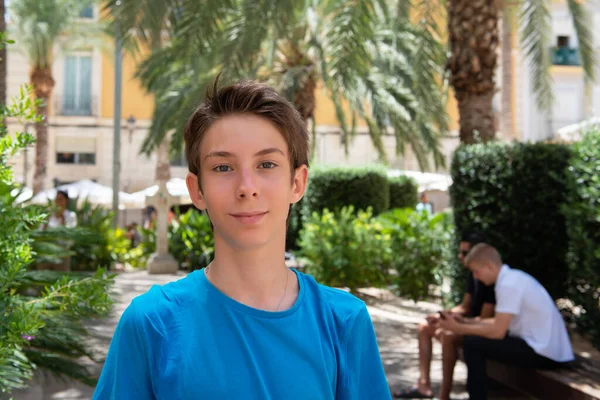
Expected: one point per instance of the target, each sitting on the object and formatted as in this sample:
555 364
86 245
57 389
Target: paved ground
395 321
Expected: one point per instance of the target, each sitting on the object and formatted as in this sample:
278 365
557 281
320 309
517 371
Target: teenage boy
246 326
527 330
478 302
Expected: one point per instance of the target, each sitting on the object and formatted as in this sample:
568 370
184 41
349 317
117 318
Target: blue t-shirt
187 340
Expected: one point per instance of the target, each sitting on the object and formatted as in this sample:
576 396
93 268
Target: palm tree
369 58
473 38
40 27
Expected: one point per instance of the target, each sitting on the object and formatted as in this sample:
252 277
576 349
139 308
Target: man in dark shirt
478 302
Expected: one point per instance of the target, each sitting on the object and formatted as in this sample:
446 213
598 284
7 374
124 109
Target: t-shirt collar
503 271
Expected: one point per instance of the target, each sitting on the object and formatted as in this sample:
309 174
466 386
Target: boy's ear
299 183
191 181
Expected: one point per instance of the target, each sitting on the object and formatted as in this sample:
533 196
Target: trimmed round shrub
404 192
336 187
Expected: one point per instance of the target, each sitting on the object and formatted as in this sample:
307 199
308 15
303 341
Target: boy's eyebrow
226 154
223 154
269 151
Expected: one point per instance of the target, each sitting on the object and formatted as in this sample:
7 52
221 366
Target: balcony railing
66 106
565 56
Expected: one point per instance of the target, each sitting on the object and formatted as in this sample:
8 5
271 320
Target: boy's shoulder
343 305
161 301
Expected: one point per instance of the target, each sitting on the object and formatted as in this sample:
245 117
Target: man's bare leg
426 333
450 343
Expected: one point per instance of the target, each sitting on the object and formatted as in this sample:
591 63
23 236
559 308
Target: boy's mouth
249 217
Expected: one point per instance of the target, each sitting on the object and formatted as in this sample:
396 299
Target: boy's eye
222 168
267 165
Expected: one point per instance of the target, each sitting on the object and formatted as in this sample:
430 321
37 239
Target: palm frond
585 36
351 26
58 348
39 25
15 369
535 22
139 22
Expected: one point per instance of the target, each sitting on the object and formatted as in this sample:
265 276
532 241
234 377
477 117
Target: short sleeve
489 294
509 298
363 376
70 220
126 372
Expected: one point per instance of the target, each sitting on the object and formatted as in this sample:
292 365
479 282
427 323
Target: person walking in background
60 215
133 234
527 330
424 204
150 218
478 302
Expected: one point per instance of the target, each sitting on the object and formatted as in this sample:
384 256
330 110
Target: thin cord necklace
287 278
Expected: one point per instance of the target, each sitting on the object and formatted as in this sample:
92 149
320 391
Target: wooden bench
580 381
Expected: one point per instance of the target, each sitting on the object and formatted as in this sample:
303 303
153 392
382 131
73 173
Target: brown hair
483 253
249 98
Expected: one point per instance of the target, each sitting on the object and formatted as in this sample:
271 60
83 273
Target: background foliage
514 194
346 249
583 228
40 311
422 248
363 187
539 204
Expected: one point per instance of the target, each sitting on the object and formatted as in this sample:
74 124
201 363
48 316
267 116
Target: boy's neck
257 278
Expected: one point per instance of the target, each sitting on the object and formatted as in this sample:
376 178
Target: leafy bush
346 249
106 247
404 192
334 188
514 194
191 240
583 227
421 248
34 303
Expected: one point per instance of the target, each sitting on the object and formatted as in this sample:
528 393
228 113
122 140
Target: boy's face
247 182
483 272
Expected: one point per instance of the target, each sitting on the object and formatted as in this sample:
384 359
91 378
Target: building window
76 158
178 160
562 41
87 12
78 86
563 54
80 151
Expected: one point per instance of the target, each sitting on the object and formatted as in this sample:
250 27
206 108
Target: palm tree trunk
42 82
304 99
507 76
2 56
473 38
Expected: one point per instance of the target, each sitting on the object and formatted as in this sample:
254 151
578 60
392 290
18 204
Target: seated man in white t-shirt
527 330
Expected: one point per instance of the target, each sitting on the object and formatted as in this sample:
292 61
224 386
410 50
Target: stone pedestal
162 262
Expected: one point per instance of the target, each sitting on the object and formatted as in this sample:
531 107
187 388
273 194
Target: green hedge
361 187
583 228
480 200
514 194
404 192
336 187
